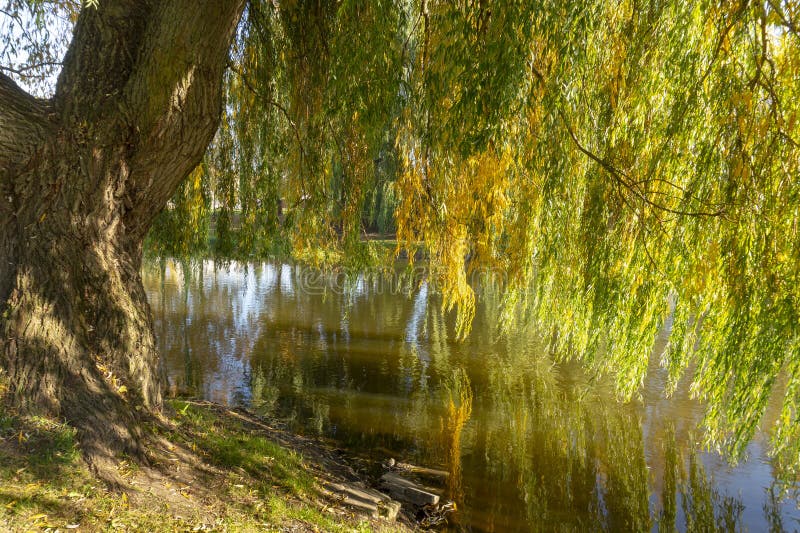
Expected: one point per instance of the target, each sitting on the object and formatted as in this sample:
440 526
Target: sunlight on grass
257 484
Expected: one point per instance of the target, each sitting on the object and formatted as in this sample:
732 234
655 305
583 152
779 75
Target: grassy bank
216 469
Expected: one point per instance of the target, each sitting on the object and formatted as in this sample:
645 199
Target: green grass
236 479
228 445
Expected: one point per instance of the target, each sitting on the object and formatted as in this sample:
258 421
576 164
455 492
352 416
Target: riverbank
221 469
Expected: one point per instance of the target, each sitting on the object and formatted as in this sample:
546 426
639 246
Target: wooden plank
422 470
367 501
407 491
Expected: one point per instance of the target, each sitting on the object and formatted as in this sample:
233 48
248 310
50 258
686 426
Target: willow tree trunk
81 177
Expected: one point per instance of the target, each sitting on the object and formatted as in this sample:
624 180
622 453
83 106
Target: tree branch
786 22
22 70
101 56
174 98
23 120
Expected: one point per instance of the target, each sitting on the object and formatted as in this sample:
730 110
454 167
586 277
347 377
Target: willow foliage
627 167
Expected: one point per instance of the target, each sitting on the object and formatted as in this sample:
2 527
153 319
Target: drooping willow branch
618 174
271 102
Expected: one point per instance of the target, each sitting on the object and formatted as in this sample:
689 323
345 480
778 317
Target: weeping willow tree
624 166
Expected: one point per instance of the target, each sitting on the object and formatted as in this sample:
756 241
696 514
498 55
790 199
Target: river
370 363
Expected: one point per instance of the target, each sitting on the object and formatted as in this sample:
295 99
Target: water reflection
529 445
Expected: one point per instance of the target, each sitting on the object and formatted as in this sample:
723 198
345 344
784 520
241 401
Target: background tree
625 166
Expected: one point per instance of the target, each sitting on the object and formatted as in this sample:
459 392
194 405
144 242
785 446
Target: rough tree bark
81 177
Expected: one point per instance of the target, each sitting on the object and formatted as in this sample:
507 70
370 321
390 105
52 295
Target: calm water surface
530 445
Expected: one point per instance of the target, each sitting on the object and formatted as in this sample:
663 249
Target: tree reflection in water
530 445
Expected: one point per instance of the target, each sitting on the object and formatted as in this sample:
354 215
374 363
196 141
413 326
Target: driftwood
407 491
365 500
429 472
